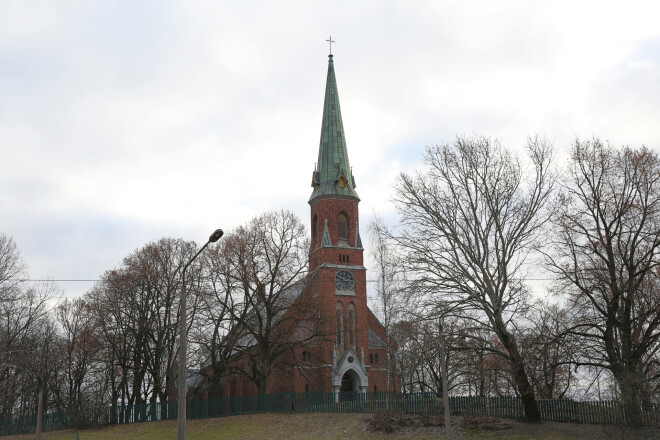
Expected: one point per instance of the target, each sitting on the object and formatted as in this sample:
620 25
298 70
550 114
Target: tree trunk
519 375
532 412
262 385
113 409
631 393
389 371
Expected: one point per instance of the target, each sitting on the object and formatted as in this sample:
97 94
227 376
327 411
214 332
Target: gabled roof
375 341
285 299
333 174
326 235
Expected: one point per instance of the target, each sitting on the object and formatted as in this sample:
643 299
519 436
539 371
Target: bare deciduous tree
268 263
11 267
138 312
389 297
23 317
550 354
470 220
418 357
79 347
606 251
214 319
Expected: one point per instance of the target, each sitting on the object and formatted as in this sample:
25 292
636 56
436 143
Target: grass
334 426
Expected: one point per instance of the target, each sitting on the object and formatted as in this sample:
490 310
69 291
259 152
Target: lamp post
181 399
445 386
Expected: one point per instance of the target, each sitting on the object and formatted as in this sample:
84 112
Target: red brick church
352 355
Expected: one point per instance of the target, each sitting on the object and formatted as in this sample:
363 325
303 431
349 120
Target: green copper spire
333 175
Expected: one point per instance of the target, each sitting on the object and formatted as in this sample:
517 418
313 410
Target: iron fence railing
563 410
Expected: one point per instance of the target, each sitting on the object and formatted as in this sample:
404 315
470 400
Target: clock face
344 280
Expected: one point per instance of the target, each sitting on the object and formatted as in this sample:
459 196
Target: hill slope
334 426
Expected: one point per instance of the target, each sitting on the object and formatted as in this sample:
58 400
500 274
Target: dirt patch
483 423
388 422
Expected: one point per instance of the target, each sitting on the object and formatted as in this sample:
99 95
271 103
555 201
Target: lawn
339 426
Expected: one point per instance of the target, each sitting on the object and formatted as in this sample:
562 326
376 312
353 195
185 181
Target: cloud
122 122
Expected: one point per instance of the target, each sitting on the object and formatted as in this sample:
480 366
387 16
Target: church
351 354
357 361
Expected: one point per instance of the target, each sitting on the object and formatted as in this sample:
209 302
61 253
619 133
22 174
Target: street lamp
445 387
181 399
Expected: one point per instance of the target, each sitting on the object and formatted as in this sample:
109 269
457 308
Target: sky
126 121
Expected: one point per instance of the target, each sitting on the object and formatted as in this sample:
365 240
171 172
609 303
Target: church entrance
352 384
347 383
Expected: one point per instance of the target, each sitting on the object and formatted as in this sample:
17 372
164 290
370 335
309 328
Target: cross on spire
330 40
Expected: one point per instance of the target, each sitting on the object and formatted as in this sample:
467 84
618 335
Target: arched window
351 325
315 231
342 227
307 388
340 324
371 358
376 358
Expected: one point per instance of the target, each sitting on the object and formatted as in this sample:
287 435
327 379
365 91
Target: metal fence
594 412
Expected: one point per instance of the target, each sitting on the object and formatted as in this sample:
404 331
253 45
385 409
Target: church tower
336 254
348 353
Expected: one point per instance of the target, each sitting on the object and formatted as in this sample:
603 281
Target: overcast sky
122 122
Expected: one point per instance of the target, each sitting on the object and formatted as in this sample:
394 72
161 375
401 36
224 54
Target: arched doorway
350 380
347 383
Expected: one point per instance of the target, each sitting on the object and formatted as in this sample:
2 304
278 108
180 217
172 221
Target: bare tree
80 345
23 313
389 296
549 352
12 267
606 253
470 221
30 366
418 357
273 311
215 319
138 311
113 319
156 269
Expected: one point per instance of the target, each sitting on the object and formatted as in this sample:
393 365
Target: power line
26 280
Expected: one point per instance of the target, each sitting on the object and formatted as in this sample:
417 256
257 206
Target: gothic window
340 324
376 358
307 388
342 227
351 325
371 358
315 221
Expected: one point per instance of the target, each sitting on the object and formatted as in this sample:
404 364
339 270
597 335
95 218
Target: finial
330 40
